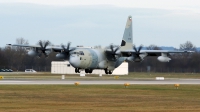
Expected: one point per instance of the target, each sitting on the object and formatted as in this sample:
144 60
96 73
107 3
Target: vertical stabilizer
127 41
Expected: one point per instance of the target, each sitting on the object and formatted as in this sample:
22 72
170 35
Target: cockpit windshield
75 53
81 53
78 53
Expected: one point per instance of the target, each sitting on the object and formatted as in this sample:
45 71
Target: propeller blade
67 50
140 47
114 51
42 48
46 44
135 49
63 47
137 53
68 45
40 43
111 47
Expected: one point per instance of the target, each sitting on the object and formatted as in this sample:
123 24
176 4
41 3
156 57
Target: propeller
114 51
137 53
67 50
42 48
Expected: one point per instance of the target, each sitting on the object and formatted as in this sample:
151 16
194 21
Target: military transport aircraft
108 58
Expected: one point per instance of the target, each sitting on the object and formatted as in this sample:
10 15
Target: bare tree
153 47
21 40
187 46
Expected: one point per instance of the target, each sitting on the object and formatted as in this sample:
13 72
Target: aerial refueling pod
163 59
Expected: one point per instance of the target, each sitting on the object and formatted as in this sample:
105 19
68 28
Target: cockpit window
78 53
75 53
81 53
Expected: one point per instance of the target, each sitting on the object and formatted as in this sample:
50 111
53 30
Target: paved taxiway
61 82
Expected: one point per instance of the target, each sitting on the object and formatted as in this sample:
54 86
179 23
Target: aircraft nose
75 61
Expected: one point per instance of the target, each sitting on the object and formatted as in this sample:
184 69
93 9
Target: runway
97 82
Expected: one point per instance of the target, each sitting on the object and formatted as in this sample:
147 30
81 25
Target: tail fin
127 41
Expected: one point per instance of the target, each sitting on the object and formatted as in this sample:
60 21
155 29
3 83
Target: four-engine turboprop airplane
107 58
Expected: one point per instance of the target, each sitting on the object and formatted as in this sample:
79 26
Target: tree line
17 59
181 62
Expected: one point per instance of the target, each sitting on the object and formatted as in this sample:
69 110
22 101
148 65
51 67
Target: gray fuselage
90 58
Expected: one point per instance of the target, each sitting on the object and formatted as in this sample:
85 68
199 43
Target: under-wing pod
163 59
134 59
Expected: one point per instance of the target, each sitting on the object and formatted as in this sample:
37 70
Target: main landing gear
88 70
77 70
108 71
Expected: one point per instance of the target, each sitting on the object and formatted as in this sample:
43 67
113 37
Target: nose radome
74 61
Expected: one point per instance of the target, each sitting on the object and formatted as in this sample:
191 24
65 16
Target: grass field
132 75
99 98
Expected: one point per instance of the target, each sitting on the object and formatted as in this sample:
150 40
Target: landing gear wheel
90 70
106 71
77 70
110 72
86 70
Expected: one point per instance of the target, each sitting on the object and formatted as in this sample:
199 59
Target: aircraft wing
20 45
154 52
54 48
30 46
60 49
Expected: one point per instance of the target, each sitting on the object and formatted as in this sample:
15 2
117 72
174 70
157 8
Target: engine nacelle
129 59
133 59
103 64
61 56
32 53
163 59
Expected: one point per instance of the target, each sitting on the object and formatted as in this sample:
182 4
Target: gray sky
100 22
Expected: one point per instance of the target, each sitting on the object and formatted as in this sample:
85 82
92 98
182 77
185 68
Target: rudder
127 41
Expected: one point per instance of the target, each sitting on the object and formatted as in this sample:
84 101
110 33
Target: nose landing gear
77 70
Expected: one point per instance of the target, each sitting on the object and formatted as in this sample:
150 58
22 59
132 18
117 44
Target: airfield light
116 77
1 77
76 83
126 85
176 85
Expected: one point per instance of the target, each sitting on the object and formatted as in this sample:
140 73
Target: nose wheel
77 70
